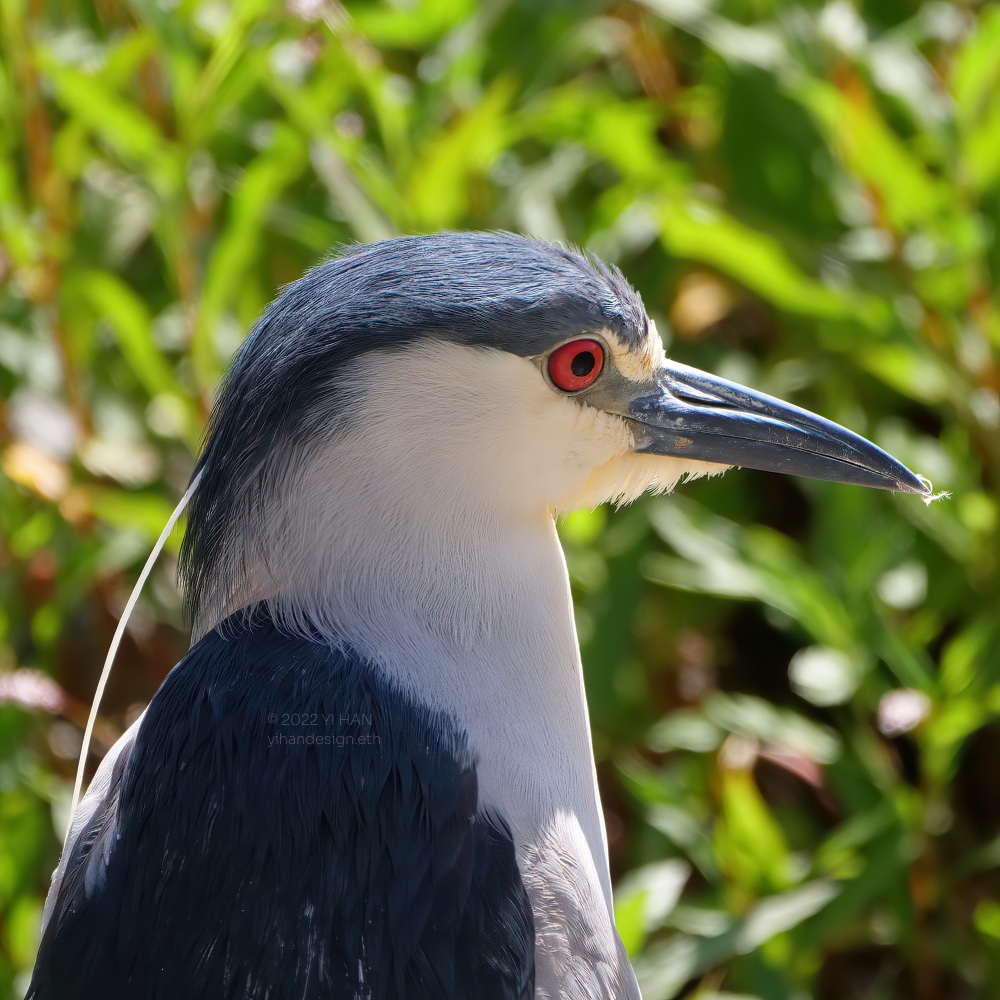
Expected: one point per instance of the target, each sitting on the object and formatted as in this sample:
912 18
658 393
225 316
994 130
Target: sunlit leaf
697 231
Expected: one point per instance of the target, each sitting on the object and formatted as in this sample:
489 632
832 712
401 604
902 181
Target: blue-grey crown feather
491 290
288 825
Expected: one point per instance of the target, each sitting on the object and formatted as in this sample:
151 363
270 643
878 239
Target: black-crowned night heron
372 776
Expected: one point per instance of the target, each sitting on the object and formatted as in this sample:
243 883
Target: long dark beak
692 414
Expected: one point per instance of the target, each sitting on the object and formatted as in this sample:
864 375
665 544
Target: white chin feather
625 479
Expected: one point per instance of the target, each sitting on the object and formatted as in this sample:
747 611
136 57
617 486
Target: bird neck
459 591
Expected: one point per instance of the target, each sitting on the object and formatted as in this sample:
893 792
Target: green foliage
795 686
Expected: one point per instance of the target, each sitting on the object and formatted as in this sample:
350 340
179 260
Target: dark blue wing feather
288 824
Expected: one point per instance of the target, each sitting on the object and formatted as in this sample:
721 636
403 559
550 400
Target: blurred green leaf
760 720
875 153
437 187
116 120
664 968
698 231
259 186
750 845
645 899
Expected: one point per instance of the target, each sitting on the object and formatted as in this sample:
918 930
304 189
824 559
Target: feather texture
288 824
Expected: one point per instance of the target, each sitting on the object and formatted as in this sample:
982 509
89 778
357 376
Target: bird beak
691 414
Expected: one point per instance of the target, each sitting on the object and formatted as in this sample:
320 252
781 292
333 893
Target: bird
371 777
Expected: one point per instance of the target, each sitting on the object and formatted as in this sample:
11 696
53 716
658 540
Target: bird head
428 381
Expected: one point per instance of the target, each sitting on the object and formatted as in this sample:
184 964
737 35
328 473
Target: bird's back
288 824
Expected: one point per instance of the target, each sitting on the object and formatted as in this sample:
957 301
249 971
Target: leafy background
795 686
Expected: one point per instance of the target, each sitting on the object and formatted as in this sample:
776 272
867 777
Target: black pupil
583 363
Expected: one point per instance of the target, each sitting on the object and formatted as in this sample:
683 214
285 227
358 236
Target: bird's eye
576 365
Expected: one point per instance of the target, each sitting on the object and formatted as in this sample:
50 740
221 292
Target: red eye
576 365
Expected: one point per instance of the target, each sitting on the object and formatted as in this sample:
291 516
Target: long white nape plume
116 642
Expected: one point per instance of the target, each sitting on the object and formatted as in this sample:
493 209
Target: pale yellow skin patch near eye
637 364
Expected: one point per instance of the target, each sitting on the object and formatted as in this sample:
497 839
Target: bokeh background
795 686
